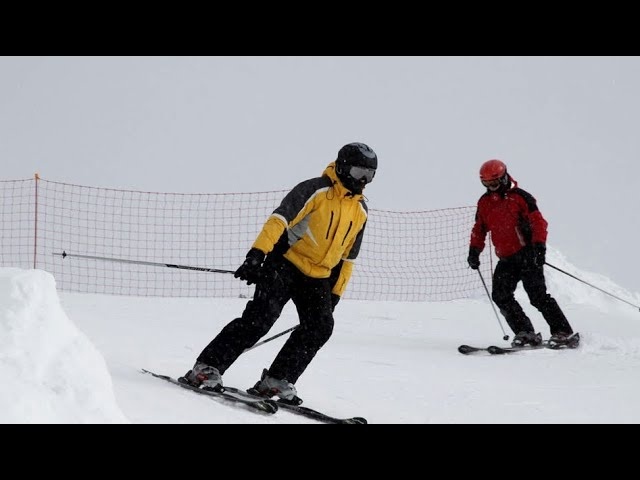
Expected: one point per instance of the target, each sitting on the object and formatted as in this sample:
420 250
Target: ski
572 342
227 394
305 411
495 350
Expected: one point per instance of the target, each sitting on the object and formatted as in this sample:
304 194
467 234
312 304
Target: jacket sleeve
271 232
537 222
478 232
538 227
342 272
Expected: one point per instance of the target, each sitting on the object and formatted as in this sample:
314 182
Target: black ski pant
506 276
282 282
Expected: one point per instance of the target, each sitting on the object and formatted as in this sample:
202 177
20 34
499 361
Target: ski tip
353 421
359 420
468 349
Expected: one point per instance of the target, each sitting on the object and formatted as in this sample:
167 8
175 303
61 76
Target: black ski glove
539 253
250 270
474 258
334 301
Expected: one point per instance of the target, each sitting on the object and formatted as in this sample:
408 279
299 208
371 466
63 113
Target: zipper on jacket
348 230
330 223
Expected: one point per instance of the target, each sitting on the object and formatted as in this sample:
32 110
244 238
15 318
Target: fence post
35 223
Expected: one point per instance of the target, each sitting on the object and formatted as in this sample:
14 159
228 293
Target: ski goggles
491 184
360 173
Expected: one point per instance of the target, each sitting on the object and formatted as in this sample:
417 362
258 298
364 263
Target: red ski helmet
492 170
493 175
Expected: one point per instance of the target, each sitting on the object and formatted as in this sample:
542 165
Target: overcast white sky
565 126
75 358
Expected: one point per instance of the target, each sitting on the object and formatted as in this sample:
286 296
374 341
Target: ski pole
140 262
271 338
593 286
505 336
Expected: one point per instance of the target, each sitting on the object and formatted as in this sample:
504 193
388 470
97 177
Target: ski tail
572 341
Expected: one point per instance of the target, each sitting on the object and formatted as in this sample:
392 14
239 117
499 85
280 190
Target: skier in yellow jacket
305 253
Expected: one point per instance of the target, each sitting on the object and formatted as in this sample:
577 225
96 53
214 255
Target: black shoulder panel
528 198
295 200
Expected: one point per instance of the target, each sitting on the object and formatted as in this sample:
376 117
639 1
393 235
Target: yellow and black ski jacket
319 226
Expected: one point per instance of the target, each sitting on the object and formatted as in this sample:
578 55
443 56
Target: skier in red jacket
519 235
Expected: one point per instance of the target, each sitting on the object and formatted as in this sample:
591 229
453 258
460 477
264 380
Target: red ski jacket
512 217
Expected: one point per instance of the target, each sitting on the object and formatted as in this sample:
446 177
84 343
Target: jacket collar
340 189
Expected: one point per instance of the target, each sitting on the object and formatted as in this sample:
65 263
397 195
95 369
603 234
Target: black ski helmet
365 161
